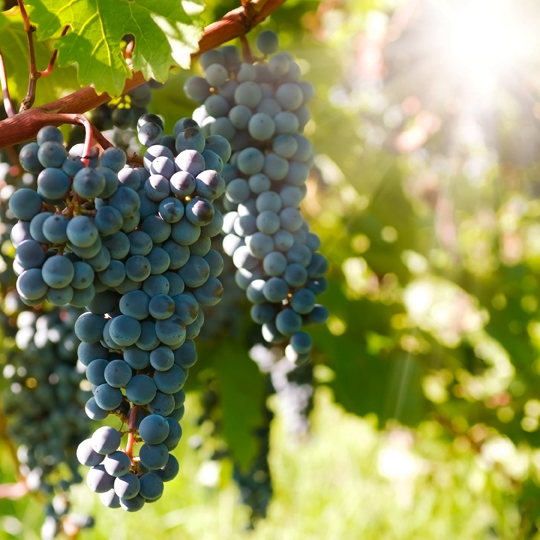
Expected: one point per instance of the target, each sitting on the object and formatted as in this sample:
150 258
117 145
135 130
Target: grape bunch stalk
259 106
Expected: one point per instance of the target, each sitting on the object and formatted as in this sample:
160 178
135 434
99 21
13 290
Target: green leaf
14 46
164 35
241 389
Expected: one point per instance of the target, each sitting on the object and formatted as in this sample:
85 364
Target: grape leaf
14 47
164 35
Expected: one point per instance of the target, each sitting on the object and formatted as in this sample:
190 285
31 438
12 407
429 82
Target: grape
130 178
148 339
162 404
154 456
87 455
107 397
110 499
170 470
132 505
150 134
94 412
149 117
125 330
182 184
288 322
53 184
186 307
190 161
77 151
126 486
136 358
53 228
171 210
113 158
91 351
301 342
262 313
105 440
161 306
126 201
113 275
267 42
197 89
28 156
98 480
271 334
185 233
171 380
141 390
162 166
317 286
171 331
29 254
151 486
51 154
118 374
154 429
278 65
58 271
117 463
286 123
25 204
82 297
158 229
95 372
319 314
81 231
210 184
20 232
137 268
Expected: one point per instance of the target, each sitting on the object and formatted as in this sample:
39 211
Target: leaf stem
50 67
30 97
8 104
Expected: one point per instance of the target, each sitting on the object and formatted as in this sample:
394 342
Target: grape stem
8 104
132 428
246 51
24 126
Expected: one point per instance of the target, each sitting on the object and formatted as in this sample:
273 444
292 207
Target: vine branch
234 24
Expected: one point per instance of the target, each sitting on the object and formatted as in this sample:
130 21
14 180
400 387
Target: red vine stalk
50 67
132 427
24 126
8 105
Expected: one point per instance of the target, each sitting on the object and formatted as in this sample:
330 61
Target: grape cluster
260 108
123 112
42 401
70 227
137 335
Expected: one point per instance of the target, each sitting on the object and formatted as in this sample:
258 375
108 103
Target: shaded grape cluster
260 108
137 335
42 402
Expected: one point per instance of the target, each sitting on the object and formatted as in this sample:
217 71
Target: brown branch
8 104
50 67
234 24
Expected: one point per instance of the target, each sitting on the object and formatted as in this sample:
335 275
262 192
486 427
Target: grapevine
122 249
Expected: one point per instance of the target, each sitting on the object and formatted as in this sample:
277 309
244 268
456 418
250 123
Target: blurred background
419 416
